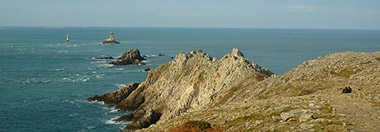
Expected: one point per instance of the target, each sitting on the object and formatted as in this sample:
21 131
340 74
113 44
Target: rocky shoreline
234 94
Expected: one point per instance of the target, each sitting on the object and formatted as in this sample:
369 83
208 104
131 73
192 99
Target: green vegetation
253 116
229 94
346 73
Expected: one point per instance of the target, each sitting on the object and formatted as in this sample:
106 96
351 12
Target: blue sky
309 14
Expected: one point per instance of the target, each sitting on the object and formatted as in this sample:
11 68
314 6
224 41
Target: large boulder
128 58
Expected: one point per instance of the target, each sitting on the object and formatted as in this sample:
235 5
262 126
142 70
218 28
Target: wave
106 65
62 51
97 62
119 85
97 102
113 110
57 69
120 69
113 121
145 61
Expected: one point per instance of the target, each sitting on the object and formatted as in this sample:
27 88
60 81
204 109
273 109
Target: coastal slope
306 98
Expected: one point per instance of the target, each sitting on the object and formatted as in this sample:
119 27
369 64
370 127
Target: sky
292 14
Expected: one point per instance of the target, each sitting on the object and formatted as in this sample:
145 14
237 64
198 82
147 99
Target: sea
45 81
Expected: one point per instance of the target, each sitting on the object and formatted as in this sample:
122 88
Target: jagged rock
116 96
190 82
161 54
131 57
105 58
150 117
296 113
147 69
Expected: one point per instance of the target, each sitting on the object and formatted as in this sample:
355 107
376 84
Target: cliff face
191 82
234 94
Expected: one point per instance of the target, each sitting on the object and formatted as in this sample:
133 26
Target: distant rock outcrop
192 81
104 58
131 57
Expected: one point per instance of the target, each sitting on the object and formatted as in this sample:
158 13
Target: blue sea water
45 81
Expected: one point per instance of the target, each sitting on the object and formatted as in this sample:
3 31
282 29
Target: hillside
234 94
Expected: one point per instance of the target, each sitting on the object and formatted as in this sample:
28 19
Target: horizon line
61 27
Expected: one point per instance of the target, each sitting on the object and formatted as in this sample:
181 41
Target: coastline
238 97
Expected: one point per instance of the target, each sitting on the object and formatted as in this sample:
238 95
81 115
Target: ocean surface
45 81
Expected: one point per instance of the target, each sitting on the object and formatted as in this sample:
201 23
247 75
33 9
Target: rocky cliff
306 98
191 82
234 94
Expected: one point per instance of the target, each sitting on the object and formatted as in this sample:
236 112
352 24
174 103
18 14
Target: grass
344 73
253 116
229 94
197 126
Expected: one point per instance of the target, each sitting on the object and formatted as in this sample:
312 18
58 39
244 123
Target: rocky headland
131 57
234 94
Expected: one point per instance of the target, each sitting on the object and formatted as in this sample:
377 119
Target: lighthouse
111 37
111 40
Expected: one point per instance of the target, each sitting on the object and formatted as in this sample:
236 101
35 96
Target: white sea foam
97 62
113 110
113 121
106 65
57 69
119 85
62 51
99 76
97 102
120 69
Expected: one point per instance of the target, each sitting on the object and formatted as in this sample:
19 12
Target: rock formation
190 82
306 98
131 57
104 58
235 94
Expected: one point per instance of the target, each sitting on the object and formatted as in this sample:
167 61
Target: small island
111 40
